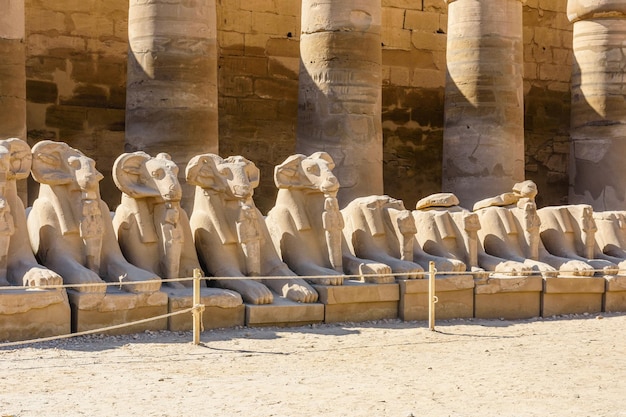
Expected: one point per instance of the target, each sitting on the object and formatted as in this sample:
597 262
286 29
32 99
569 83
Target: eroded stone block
358 301
31 314
92 311
455 295
509 298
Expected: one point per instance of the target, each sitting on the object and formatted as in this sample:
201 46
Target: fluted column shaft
598 119
339 102
483 141
171 101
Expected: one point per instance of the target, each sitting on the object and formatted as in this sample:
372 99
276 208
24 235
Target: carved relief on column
598 119
483 142
339 103
171 101
12 69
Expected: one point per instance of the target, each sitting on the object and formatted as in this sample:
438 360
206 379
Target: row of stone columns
172 91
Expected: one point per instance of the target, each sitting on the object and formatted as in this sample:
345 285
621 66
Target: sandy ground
566 366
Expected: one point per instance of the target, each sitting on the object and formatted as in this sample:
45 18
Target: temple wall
76 78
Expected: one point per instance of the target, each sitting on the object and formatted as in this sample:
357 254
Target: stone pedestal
598 120
615 294
340 94
483 137
31 314
356 301
284 312
92 311
171 97
455 294
572 295
510 298
222 308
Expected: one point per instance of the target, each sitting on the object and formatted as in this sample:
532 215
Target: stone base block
569 295
222 308
455 294
615 294
91 311
284 312
357 301
509 298
31 314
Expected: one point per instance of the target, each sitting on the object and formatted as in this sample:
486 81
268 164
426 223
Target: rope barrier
421 274
198 308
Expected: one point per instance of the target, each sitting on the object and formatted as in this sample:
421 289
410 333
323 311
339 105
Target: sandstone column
171 101
339 102
12 70
483 140
598 123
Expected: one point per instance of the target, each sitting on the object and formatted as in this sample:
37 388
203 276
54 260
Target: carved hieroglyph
483 137
510 230
448 230
307 226
569 232
230 234
12 69
381 229
70 227
152 229
171 97
339 100
17 262
598 122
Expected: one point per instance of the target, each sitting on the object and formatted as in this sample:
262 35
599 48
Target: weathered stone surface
484 112
572 295
27 314
92 311
284 312
455 298
598 123
358 301
172 80
222 309
339 100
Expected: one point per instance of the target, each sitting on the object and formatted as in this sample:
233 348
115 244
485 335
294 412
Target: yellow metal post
432 298
197 308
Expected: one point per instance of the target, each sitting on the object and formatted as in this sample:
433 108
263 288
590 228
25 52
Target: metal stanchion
432 298
197 307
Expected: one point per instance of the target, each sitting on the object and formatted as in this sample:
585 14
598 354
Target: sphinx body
70 227
231 236
511 230
569 232
611 236
306 224
152 228
448 230
18 265
381 229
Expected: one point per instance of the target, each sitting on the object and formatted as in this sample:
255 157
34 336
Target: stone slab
222 308
91 311
31 314
356 301
569 295
283 312
615 294
510 298
455 298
